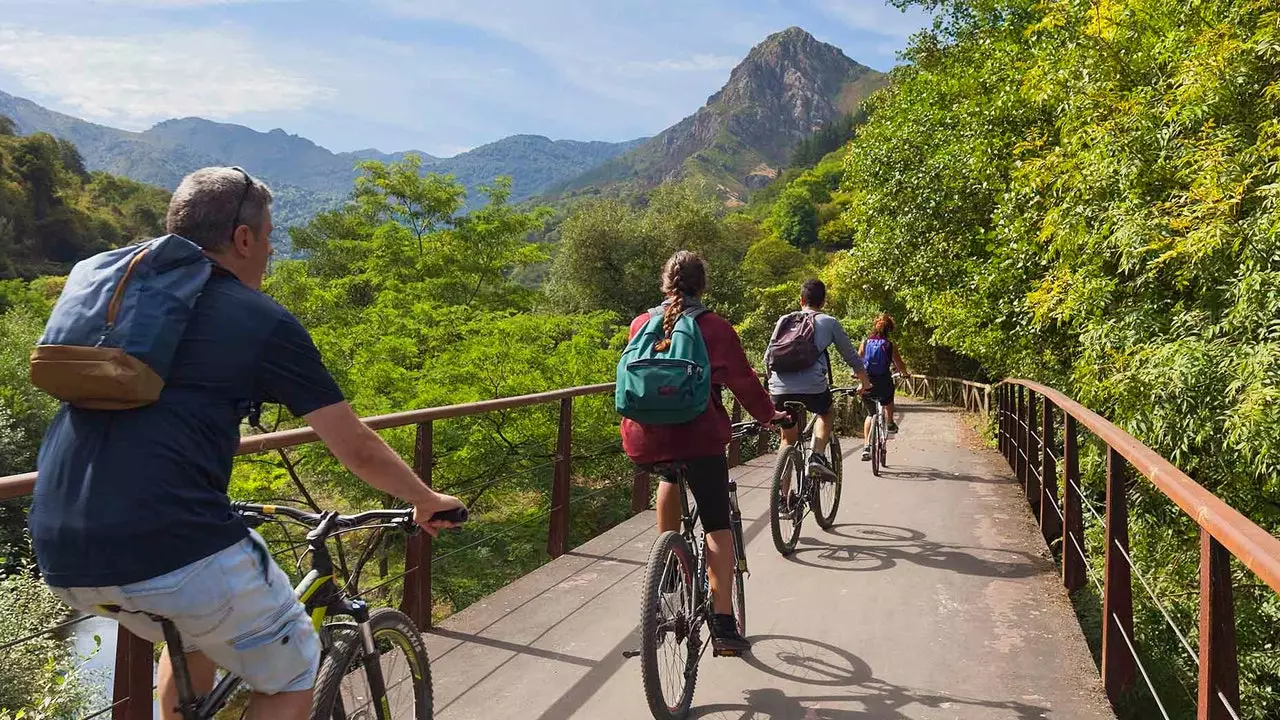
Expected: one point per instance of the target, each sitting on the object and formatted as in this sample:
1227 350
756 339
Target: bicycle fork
735 525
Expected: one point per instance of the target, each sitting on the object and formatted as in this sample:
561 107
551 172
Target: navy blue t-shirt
127 495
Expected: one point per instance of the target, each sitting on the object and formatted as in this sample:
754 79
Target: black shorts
708 480
882 388
817 403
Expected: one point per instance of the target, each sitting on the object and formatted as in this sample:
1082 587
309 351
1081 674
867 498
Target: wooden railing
1026 417
972 396
132 684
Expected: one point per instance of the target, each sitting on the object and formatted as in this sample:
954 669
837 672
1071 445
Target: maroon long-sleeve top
708 433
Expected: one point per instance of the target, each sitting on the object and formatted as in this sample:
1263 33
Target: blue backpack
876 355
111 338
665 387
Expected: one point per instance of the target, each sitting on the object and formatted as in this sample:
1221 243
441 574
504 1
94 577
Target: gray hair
206 202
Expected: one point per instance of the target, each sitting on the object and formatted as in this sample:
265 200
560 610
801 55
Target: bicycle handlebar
401 516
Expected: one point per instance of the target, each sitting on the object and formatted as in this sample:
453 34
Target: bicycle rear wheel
669 646
826 498
343 689
784 522
873 443
884 446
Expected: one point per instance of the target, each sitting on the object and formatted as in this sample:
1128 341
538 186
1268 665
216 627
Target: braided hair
685 274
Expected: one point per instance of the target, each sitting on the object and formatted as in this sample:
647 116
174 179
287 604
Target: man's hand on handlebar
423 510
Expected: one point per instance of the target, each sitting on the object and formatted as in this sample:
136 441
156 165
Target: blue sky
440 76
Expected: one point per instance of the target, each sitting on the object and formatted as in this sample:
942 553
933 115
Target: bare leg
201 670
668 506
790 436
821 433
866 430
720 568
285 706
888 413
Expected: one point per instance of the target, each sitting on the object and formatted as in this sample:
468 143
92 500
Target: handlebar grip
453 515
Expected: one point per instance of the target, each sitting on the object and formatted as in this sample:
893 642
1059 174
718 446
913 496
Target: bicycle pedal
628 654
725 653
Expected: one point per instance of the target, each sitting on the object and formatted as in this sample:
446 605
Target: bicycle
345 646
677 596
805 493
878 439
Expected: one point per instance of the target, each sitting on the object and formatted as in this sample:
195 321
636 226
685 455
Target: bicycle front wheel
669 647
344 689
826 497
785 518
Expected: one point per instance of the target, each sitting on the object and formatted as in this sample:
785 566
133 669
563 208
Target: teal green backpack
670 387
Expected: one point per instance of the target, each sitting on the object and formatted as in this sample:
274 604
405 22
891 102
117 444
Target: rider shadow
882 547
850 681
920 474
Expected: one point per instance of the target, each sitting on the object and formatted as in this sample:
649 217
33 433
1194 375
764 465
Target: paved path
933 597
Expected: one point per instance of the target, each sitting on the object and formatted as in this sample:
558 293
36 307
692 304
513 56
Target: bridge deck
933 597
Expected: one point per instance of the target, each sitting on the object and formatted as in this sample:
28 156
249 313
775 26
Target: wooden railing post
1050 523
1219 670
1073 568
1117 593
417 601
131 688
558 532
735 446
1033 457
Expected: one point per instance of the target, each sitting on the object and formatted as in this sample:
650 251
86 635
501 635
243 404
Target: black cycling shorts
882 388
816 403
708 480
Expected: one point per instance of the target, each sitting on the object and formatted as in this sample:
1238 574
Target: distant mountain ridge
786 88
306 177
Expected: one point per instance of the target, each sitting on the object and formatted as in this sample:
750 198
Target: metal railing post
1117 593
417 601
1073 563
558 532
131 688
735 446
640 490
1020 432
1219 669
1033 457
1050 523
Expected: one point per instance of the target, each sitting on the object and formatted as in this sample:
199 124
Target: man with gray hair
130 516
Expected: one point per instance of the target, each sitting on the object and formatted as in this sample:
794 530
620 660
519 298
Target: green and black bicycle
372 667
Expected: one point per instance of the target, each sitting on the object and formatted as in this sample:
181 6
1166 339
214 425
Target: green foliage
37 677
53 212
795 218
1085 194
829 138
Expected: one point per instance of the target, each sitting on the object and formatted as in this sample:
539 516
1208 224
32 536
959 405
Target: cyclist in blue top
880 355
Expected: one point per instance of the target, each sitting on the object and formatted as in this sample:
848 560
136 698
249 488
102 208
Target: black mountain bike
795 492
677 598
374 641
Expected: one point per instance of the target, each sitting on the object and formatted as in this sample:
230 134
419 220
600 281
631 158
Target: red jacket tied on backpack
709 433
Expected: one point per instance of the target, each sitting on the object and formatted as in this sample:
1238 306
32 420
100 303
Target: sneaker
725 638
893 427
821 467
866 454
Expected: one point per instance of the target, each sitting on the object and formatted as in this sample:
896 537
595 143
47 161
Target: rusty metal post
762 444
1050 523
735 446
558 532
417 599
131 689
1024 436
1033 457
1002 423
1117 593
1073 567
640 491
1019 441
1219 670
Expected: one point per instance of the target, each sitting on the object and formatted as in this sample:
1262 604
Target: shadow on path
881 547
849 682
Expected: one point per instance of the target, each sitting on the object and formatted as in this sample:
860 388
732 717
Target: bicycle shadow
920 474
811 662
882 547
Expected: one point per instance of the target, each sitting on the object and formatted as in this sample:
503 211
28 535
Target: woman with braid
700 443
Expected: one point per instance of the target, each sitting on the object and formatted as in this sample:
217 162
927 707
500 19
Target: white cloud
158 4
696 63
135 81
876 16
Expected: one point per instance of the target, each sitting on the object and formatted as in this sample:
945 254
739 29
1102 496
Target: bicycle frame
321 597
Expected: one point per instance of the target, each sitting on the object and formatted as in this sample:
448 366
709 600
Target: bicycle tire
786 461
668 543
874 445
346 654
884 447
827 519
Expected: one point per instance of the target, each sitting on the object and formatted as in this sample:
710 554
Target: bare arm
897 360
367 455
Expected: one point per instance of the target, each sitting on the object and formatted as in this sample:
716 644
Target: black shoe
893 427
866 454
725 637
819 466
